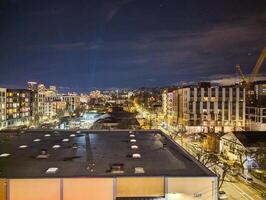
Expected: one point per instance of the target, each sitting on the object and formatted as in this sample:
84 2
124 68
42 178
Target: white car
222 195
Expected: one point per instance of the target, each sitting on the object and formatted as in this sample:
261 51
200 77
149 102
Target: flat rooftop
40 154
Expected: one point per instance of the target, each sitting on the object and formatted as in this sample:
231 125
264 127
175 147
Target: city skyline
83 45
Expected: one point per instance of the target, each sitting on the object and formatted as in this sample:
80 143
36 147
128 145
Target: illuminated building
2 108
32 86
256 113
19 106
101 165
164 102
218 107
72 101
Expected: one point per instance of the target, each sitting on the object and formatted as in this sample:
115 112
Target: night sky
83 44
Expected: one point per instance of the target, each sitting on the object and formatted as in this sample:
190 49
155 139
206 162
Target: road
239 190
236 190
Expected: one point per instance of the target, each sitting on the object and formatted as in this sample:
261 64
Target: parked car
222 195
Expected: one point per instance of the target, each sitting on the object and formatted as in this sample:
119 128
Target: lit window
132 135
133 140
47 135
36 140
134 147
65 140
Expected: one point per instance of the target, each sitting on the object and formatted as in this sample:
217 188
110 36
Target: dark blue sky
127 43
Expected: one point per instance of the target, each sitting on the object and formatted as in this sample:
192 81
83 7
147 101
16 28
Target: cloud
230 79
113 8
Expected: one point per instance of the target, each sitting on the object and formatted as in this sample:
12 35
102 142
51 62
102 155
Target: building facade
213 107
19 107
256 112
3 108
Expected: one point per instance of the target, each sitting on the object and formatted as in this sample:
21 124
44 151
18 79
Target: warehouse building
99 165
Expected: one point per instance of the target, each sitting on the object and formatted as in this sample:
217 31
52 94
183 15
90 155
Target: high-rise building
32 86
2 108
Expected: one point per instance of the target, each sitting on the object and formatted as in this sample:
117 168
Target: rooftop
251 138
30 154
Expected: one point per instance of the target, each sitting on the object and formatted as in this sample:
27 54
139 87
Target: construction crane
247 80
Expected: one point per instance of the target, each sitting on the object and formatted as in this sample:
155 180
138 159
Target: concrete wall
191 188
140 187
32 189
3 189
173 188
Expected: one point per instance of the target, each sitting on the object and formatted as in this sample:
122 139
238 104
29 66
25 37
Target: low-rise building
100 165
244 148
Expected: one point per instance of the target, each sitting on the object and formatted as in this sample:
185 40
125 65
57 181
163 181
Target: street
234 188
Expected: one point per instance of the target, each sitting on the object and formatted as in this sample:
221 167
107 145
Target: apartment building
217 107
256 112
72 101
19 106
2 108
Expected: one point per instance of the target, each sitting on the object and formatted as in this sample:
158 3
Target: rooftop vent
139 170
117 168
72 135
47 135
23 146
43 154
3 155
36 140
75 146
132 135
56 146
65 140
133 140
51 170
136 155
90 167
134 147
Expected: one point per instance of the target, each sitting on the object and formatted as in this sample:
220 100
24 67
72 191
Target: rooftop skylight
134 147
3 155
23 146
136 155
51 170
139 170
56 146
133 140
